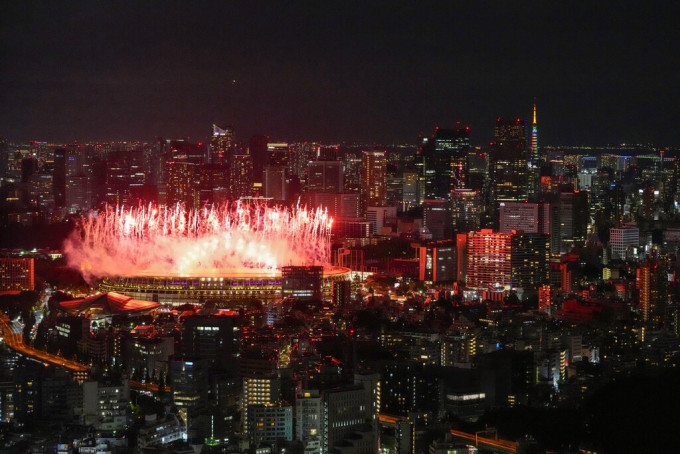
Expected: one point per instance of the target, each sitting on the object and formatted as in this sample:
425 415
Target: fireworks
162 240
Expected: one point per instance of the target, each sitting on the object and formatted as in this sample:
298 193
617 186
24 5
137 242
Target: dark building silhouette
446 165
509 163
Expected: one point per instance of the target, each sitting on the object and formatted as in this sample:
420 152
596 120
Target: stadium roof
108 303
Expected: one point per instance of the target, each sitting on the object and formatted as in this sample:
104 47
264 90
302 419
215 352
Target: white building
105 405
621 239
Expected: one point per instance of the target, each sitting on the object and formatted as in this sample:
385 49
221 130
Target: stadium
232 290
231 254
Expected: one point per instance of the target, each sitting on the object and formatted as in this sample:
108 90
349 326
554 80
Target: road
492 444
15 341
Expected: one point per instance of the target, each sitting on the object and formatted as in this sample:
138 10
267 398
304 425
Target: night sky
602 72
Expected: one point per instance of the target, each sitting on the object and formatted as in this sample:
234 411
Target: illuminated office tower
212 179
446 166
182 184
125 175
373 179
269 423
302 153
241 176
437 261
72 178
278 154
188 381
528 217
623 242
466 210
395 188
412 191
488 259
221 144
530 260
344 412
185 151
42 187
573 217
325 176
507 259
508 158
652 284
309 420
213 338
17 273
352 172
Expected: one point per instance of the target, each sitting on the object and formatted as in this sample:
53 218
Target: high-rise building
105 405
213 338
182 184
573 217
221 144
438 261
274 183
241 176
509 163
526 216
534 139
530 259
325 176
446 166
373 179
125 174
621 239
488 259
17 273
652 285
507 259
302 153
344 411
412 191
437 218
466 210
269 423
309 420
212 180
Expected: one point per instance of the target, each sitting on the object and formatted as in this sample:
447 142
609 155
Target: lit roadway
151 387
15 341
491 444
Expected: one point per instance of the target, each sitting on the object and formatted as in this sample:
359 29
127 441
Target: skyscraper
241 176
534 138
325 176
652 283
221 144
507 259
373 179
446 166
509 162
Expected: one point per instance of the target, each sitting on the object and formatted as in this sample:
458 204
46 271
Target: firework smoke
160 240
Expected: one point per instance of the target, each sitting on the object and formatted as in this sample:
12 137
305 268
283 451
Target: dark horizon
601 73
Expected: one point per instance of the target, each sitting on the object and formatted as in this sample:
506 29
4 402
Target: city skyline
600 74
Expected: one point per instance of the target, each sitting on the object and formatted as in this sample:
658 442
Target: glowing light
172 240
